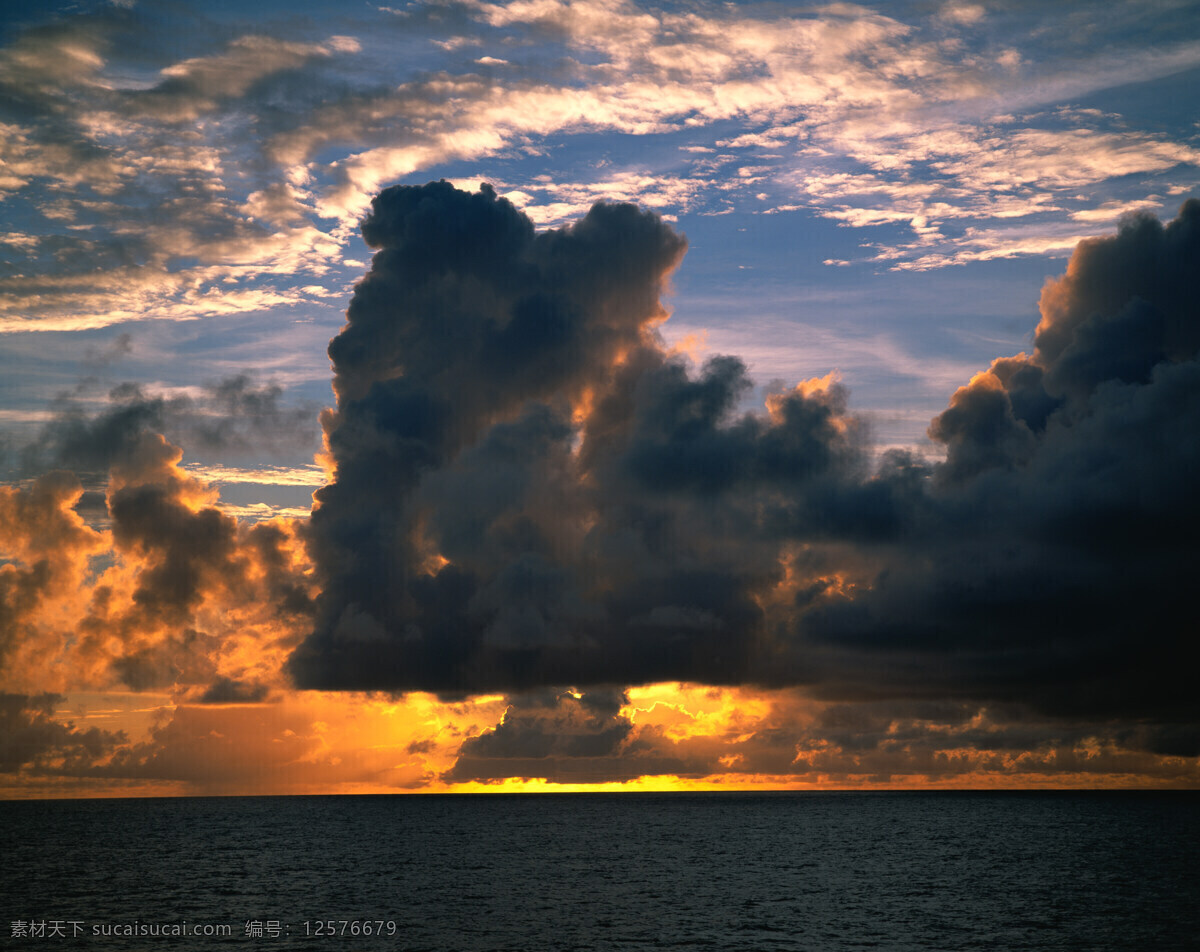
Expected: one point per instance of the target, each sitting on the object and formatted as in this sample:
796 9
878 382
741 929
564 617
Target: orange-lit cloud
173 594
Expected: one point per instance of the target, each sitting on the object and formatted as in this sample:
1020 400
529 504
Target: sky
552 395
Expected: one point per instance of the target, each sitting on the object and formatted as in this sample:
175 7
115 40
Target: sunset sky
558 395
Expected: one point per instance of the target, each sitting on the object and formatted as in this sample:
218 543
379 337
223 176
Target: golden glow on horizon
683 711
309 742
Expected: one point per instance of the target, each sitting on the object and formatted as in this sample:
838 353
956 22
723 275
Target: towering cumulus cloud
1067 509
1051 563
531 491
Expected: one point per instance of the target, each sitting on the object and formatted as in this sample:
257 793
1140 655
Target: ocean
726 871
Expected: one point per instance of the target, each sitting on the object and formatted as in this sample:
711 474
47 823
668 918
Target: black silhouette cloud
532 491
1051 563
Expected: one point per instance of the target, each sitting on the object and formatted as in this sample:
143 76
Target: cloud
152 224
963 14
554 497
725 737
230 416
670 735
167 592
565 739
1053 570
549 203
227 178
45 546
308 475
985 191
197 85
187 579
531 491
525 327
229 691
32 740
100 358
234 740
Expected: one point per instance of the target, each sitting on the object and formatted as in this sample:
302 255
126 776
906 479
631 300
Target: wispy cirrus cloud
229 178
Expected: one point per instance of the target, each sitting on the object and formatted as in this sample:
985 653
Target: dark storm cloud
31 738
531 491
607 515
568 739
1056 570
231 691
505 405
467 346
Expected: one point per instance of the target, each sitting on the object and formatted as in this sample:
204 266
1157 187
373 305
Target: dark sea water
819 871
